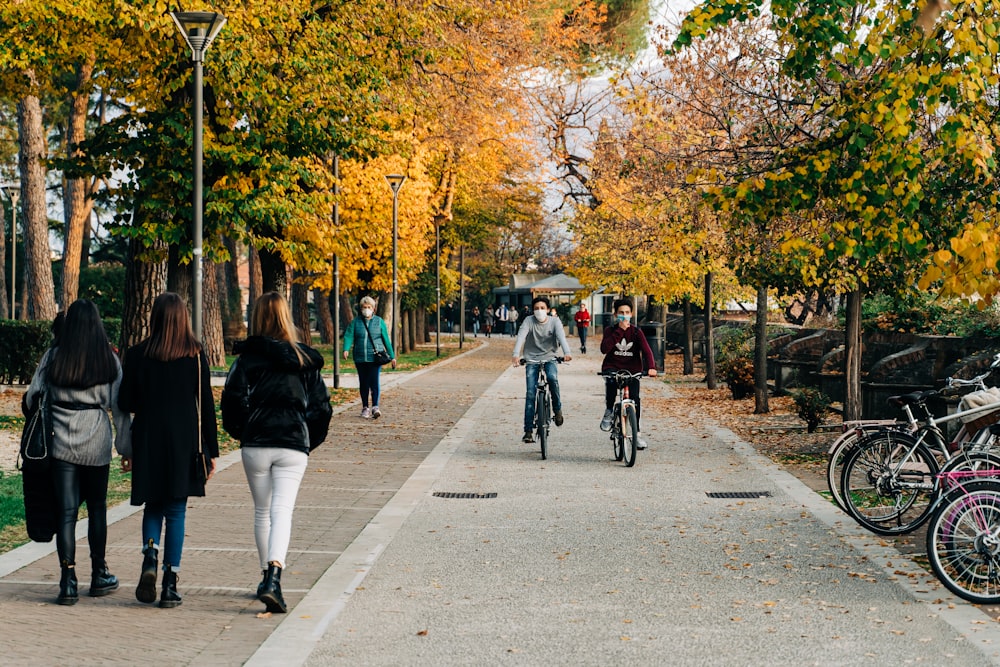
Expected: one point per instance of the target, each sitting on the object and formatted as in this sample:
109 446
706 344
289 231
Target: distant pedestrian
503 318
276 404
367 335
582 319
488 318
512 321
81 377
475 316
167 387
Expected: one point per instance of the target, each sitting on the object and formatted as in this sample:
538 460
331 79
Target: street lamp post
395 182
198 29
14 192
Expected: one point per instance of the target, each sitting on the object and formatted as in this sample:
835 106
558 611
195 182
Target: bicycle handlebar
619 373
524 361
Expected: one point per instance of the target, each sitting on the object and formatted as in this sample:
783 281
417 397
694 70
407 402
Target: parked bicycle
543 408
624 420
890 481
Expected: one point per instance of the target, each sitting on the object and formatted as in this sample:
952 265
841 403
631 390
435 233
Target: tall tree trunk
346 311
423 331
256 279
852 349
688 338
300 311
77 203
760 405
211 330
232 304
324 318
411 337
273 272
404 337
38 284
710 380
180 278
4 298
145 279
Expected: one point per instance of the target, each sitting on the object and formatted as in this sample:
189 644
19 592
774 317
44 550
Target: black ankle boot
146 590
67 585
169 597
102 582
263 582
271 593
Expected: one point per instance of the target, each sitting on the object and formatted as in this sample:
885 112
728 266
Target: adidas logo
623 348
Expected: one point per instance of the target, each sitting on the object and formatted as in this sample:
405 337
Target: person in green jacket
372 337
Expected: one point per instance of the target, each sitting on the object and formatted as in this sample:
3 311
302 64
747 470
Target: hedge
22 345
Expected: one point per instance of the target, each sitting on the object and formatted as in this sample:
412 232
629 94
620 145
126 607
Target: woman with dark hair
82 376
167 387
276 404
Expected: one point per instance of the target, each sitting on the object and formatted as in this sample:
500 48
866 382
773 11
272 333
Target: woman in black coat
162 378
276 403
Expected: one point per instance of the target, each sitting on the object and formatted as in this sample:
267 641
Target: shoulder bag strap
370 339
198 406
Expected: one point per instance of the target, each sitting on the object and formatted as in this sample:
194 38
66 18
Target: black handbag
36 438
380 357
34 462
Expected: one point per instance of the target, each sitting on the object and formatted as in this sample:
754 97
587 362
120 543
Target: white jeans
274 475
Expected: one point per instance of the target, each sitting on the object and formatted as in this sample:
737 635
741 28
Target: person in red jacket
582 319
625 348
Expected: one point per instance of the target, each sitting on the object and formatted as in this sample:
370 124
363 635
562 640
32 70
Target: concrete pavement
577 560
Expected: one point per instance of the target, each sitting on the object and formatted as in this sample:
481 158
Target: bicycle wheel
630 434
962 544
616 433
974 461
835 466
542 420
888 483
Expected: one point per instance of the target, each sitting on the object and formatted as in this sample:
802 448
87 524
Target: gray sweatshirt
540 341
83 437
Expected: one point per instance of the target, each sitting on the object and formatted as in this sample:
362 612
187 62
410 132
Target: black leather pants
75 484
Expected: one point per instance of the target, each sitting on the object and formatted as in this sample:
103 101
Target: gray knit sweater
541 341
83 437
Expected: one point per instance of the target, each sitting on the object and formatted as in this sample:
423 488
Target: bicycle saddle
913 398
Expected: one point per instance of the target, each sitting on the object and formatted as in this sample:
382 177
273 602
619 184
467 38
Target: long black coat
162 397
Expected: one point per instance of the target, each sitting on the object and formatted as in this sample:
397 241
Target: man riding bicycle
540 337
625 348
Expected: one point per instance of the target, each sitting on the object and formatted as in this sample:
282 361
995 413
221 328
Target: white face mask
541 314
366 312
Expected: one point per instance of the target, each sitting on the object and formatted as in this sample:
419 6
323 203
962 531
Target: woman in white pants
276 404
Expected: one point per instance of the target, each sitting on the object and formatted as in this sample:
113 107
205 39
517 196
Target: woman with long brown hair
276 404
162 378
81 375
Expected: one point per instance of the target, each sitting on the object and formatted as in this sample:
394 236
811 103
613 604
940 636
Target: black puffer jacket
271 400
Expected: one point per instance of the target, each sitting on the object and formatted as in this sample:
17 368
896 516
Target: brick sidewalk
348 481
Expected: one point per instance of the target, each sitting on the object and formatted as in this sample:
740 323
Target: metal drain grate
738 494
452 494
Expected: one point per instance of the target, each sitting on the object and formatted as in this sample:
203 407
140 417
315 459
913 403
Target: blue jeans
531 375
171 512
368 382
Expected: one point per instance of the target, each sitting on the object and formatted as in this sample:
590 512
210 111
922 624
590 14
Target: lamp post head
13 191
198 29
395 182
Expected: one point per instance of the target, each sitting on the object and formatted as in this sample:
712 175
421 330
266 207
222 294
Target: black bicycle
624 420
543 407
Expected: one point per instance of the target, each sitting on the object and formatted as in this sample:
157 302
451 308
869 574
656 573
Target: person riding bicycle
540 338
625 349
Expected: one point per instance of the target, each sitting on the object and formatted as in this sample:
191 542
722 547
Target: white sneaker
639 442
366 413
606 420
376 413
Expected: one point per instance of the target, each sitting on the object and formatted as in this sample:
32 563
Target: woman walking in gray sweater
81 375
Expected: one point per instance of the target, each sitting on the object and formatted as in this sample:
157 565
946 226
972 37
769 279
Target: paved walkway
576 561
